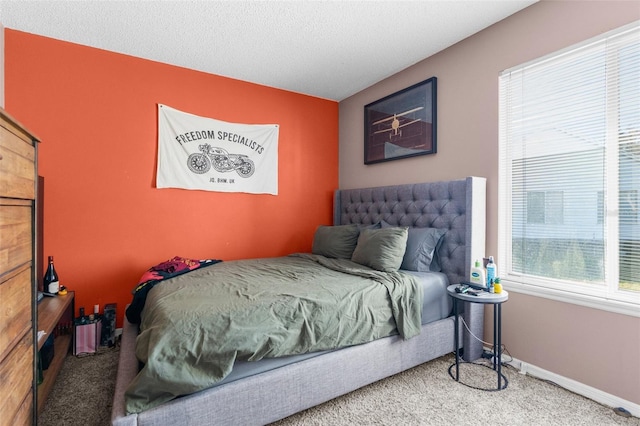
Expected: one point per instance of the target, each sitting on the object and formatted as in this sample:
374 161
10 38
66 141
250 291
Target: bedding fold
196 325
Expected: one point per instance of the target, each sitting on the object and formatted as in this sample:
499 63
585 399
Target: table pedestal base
503 383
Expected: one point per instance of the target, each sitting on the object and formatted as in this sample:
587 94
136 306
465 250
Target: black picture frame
401 125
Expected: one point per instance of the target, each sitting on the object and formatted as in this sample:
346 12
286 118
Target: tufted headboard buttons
458 206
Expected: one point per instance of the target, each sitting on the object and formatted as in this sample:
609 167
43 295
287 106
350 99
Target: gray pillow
422 246
436 266
335 241
381 249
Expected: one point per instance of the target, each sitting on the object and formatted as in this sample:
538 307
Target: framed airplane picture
402 124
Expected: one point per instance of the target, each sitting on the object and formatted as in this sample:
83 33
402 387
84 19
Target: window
545 207
569 220
629 206
535 207
600 212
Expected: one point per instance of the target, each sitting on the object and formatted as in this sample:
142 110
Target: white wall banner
203 153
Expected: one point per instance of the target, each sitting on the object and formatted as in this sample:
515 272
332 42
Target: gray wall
594 347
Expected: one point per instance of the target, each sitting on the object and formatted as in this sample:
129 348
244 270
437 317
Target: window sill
594 302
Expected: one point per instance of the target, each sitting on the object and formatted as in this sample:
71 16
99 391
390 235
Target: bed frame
458 206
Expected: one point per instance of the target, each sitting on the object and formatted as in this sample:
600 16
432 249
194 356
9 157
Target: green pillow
381 249
335 241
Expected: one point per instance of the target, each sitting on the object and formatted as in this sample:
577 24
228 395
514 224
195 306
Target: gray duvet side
437 304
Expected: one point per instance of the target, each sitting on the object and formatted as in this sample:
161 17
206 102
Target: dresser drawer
16 378
24 415
16 227
15 316
17 164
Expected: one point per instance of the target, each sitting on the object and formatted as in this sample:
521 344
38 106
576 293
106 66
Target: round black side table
495 299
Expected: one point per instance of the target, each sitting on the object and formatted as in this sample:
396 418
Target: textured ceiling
328 49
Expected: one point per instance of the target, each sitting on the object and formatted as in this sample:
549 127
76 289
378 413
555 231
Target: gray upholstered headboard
459 206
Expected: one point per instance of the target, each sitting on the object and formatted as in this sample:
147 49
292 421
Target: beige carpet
425 395
83 392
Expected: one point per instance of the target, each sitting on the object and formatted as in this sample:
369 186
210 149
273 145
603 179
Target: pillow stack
381 246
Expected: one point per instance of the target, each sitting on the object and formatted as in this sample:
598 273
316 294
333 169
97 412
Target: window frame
604 297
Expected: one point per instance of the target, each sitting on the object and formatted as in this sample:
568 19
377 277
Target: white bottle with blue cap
492 272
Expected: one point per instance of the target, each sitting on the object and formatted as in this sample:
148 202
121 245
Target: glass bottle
50 280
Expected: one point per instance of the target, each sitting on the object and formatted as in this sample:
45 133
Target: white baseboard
576 387
118 331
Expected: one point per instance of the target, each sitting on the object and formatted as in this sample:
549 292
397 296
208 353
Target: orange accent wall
105 222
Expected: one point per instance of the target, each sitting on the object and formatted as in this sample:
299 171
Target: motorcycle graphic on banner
222 161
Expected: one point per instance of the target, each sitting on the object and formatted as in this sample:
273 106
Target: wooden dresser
18 176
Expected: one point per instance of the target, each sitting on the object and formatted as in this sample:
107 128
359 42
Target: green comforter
196 325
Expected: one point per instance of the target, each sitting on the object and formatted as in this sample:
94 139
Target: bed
285 385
